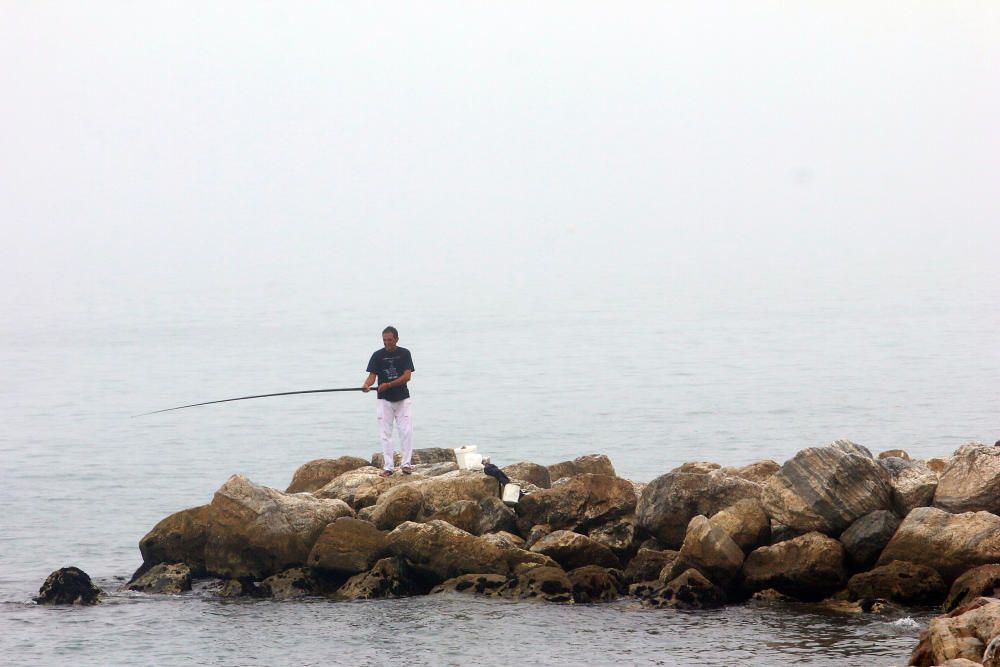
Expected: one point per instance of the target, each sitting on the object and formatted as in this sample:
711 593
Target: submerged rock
163 578
69 585
690 590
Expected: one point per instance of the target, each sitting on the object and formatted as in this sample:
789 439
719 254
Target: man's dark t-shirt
389 366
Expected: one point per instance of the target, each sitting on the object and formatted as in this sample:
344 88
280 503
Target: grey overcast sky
781 145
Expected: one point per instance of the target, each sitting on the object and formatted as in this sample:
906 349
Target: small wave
906 622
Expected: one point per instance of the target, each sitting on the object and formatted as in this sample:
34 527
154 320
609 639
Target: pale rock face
314 475
758 471
968 635
949 543
971 482
593 464
746 523
913 483
670 501
256 531
529 472
580 503
708 549
361 487
572 550
809 566
825 489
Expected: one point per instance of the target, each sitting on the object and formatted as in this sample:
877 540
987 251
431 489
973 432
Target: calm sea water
650 380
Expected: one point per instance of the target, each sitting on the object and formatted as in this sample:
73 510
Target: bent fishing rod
243 398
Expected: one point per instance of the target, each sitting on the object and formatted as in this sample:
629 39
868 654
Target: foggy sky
496 147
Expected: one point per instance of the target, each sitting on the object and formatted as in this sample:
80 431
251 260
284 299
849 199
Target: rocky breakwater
833 522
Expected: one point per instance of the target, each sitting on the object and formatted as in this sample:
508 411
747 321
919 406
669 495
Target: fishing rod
243 398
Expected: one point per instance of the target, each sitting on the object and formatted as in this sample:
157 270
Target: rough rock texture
913 483
361 487
423 498
746 523
701 467
971 482
388 578
982 581
256 531
949 543
464 514
938 465
495 517
780 532
584 501
480 584
593 464
536 533
163 578
297 582
964 633
758 471
808 567
691 590
439 551
648 563
419 456
398 504
618 535
865 538
549 584
348 546
69 585
899 581
670 501
572 550
592 583
179 538
505 540
529 472
314 475
708 549
826 488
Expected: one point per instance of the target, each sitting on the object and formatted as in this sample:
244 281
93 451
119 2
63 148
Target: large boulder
982 581
758 471
548 584
388 578
584 501
314 475
529 472
808 567
968 632
913 483
361 487
291 584
592 464
572 550
348 546
69 585
971 482
424 497
949 543
899 581
163 578
670 501
865 538
439 551
179 538
708 549
746 523
256 531
464 514
494 517
400 503
826 488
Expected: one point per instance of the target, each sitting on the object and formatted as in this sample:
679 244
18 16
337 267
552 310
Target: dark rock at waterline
899 581
163 578
572 550
389 578
548 584
807 567
480 584
648 563
293 583
592 583
69 585
179 538
825 489
865 538
690 590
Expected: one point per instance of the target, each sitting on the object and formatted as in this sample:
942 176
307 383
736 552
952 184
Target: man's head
389 338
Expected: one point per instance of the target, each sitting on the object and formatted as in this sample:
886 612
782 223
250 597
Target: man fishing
392 366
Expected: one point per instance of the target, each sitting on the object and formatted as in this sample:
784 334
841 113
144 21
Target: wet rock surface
68 586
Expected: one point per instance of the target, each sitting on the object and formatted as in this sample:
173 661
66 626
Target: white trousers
397 412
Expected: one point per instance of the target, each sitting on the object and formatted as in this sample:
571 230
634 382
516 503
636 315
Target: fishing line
243 398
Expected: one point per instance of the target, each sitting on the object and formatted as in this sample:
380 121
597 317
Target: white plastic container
468 458
511 493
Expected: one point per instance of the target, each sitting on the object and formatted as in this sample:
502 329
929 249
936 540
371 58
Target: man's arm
369 381
401 380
